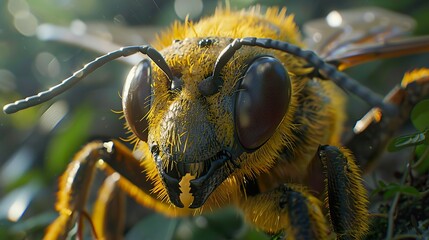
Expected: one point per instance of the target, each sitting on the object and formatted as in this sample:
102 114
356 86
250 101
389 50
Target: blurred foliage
420 115
420 140
36 146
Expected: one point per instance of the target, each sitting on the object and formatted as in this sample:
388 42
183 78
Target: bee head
195 126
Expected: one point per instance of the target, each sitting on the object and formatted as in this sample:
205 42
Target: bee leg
73 190
109 208
371 133
345 194
288 210
75 183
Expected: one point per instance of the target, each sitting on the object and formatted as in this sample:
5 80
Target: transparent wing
350 37
340 30
99 37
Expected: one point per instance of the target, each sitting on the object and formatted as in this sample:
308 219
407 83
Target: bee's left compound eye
136 98
262 101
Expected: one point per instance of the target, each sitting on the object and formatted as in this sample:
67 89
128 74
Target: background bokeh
36 144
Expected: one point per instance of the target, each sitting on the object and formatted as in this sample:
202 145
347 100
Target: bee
231 110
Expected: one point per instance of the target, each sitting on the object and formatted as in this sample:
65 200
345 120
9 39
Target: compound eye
262 101
136 98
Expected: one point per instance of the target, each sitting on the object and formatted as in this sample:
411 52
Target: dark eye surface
136 97
262 101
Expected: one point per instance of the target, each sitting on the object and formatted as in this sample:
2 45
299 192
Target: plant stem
391 215
422 158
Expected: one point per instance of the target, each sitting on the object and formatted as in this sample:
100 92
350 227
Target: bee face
207 137
184 134
185 142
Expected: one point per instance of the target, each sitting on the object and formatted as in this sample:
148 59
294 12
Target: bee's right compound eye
136 98
262 100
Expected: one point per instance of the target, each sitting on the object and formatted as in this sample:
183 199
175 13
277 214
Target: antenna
68 83
325 70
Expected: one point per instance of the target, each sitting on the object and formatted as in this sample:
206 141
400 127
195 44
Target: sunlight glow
17 209
47 65
53 115
15 203
24 21
193 8
334 19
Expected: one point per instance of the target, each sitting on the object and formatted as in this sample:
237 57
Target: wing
350 37
99 37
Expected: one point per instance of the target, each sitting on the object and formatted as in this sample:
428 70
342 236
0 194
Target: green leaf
34 223
422 164
380 187
382 184
33 175
255 234
394 188
225 223
420 115
154 226
410 140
